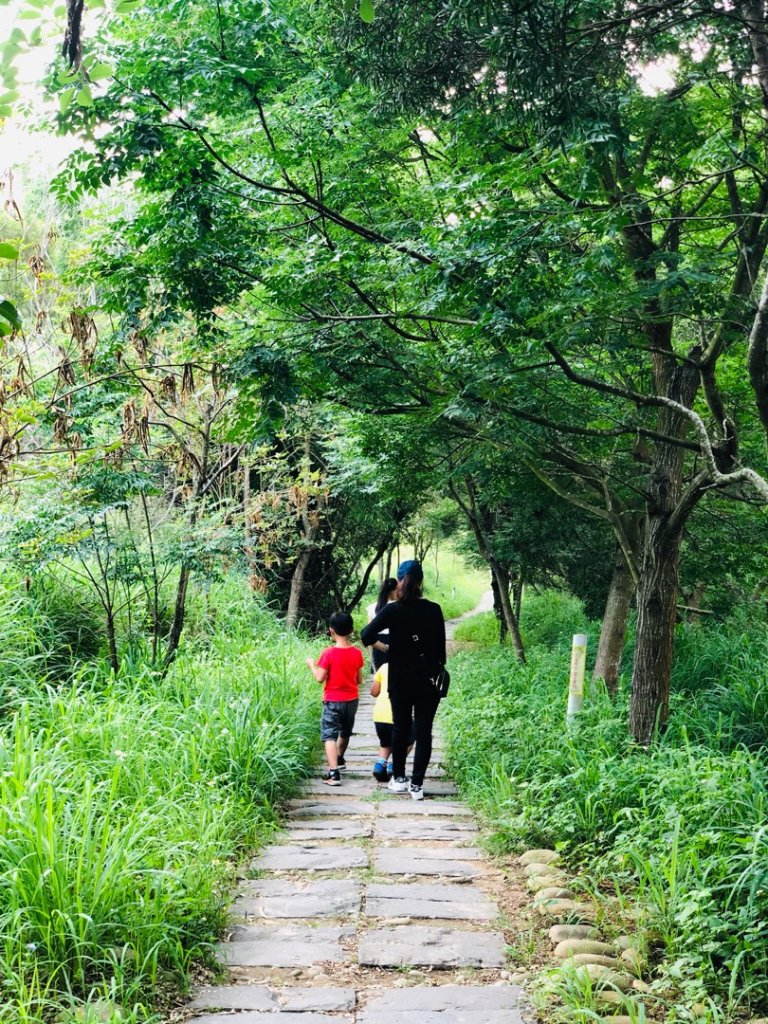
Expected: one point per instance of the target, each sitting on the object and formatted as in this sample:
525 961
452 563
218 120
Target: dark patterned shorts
338 719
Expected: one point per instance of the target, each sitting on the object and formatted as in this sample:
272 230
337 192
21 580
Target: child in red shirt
340 669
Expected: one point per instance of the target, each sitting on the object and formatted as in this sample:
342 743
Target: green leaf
8 251
65 98
9 312
125 6
367 11
84 97
100 71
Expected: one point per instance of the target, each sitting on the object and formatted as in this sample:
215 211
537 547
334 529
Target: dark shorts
338 719
384 732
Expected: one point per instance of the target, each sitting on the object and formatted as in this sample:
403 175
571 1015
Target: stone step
326 828
274 898
429 829
367 786
424 946
259 997
337 808
310 857
268 1017
441 902
436 806
445 1004
419 860
276 946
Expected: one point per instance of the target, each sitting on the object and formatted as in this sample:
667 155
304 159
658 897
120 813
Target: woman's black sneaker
332 777
341 764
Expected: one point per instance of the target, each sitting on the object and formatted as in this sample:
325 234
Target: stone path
369 907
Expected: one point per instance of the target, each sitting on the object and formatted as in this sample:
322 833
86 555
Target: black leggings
418 706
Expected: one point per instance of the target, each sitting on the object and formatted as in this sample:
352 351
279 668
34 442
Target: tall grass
124 805
683 830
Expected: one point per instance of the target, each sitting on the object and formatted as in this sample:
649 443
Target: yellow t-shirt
382 709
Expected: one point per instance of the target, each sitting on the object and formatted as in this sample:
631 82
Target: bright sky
20 143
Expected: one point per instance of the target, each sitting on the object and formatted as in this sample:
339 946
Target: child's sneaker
380 771
341 764
332 777
417 792
398 785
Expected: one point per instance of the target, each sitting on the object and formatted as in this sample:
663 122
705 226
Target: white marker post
576 685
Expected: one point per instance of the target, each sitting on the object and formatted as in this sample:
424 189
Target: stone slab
425 828
310 858
415 808
326 828
418 860
440 852
255 946
365 786
266 1017
445 1004
259 997
440 902
337 808
423 946
272 898
361 769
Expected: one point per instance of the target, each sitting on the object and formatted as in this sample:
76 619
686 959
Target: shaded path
368 907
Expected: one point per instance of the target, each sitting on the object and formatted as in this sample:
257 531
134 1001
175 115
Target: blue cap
410 568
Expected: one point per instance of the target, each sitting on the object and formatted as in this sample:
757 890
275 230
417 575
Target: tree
513 250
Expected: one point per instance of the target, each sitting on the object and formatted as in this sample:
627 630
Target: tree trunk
502 582
517 597
498 610
656 617
297 588
179 612
614 629
666 510
112 642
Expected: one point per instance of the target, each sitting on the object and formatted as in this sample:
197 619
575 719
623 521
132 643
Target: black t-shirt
416 639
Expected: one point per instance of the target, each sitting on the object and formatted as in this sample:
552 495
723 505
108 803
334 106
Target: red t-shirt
343 664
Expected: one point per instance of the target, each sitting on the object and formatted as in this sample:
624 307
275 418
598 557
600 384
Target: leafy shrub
683 827
550 618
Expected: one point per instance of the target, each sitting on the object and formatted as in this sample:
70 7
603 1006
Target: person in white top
380 649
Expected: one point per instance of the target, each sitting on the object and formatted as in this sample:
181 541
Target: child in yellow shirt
382 719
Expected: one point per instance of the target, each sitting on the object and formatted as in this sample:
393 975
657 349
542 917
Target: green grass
682 831
457 588
482 629
548 618
125 805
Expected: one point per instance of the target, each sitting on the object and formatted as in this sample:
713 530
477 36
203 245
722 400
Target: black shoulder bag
439 677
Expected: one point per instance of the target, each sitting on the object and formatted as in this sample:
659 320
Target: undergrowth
681 831
125 804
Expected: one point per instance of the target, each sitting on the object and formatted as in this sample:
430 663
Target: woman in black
416 652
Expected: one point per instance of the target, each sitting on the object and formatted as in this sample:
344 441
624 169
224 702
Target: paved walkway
369 908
